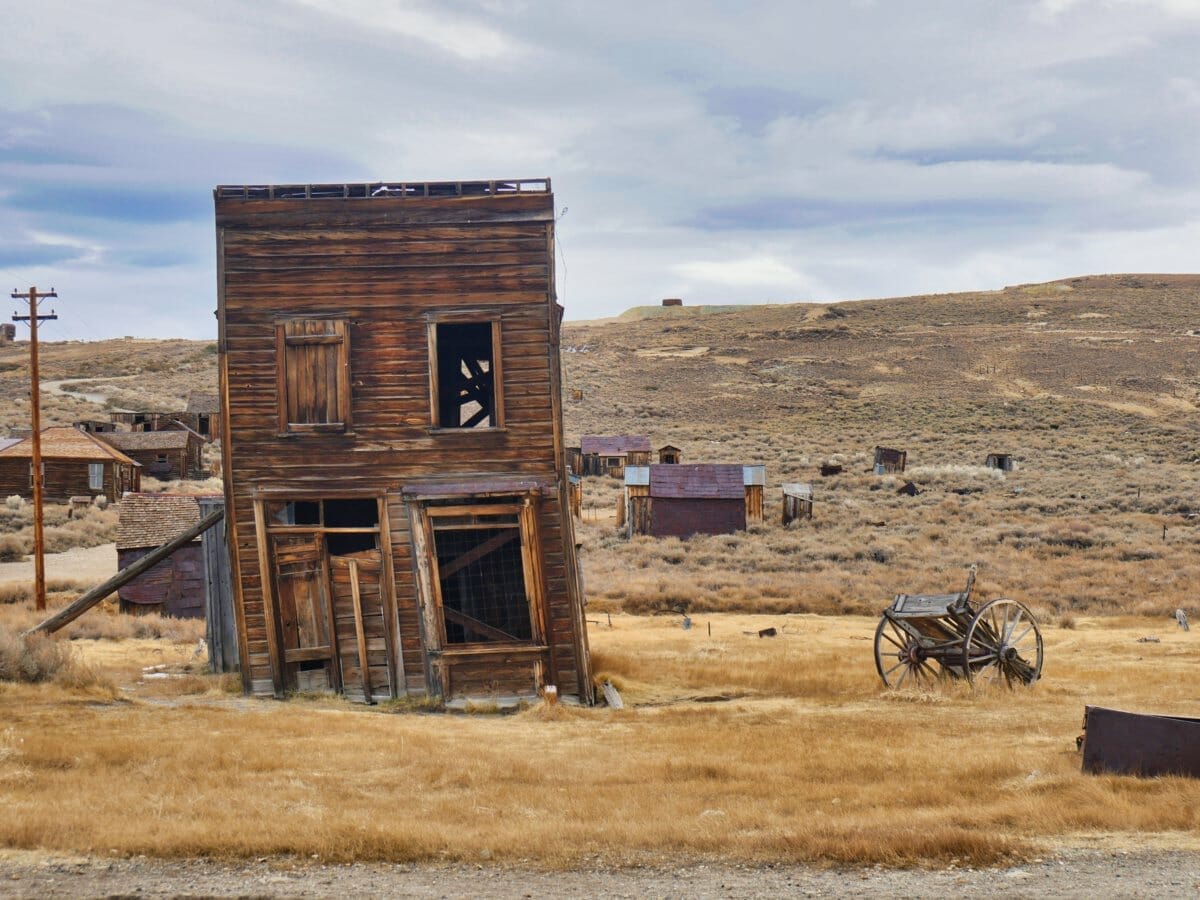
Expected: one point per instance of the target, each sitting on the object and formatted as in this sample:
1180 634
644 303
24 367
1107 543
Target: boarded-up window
465 374
313 375
96 476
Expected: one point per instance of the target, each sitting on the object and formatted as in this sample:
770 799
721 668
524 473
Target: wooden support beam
478 552
126 575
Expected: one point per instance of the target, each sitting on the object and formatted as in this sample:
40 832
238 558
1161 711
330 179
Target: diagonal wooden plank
478 552
472 624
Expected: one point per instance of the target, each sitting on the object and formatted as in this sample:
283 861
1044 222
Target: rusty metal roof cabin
391 411
151 520
614 445
717 481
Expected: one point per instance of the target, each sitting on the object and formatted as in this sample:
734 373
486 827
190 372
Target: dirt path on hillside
92 565
1073 873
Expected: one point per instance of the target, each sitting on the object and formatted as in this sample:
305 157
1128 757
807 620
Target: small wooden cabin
669 455
1001 461
888 460
165 455
685 499
797 502
395 477
147 420
204 414
8 332
74 464
95 426
610 454
175 586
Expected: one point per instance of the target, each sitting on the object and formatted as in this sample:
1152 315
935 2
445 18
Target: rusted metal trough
1125 743
923 637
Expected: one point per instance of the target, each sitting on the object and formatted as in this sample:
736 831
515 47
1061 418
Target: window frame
96 476
526 525
340 389
497 370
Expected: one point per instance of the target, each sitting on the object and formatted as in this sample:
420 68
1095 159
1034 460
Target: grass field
732 747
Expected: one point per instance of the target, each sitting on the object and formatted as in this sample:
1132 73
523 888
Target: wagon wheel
899 659
1003 642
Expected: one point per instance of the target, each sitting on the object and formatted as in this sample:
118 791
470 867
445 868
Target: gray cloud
729 153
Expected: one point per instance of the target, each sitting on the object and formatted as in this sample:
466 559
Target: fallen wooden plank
70 613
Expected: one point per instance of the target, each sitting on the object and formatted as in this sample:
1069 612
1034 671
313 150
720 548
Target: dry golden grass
810 760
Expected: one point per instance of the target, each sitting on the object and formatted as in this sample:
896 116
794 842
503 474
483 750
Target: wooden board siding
64 478
754 504
388 268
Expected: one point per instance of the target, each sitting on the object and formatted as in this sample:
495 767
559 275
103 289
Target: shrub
32 658
12 548
15 502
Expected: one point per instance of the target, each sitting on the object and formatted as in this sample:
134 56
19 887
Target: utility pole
34 317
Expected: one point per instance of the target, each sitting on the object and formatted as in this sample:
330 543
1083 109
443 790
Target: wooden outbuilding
165 455
395 479
685 499
204 414
1001 461
175 586
669 455
610 454
797 502
74 463
95 426
8 332
888 460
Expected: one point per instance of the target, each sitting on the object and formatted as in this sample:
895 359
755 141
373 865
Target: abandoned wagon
165 455
74 464
610 454
698 498
175 586
395 477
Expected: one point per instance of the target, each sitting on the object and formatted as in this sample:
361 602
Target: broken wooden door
308 638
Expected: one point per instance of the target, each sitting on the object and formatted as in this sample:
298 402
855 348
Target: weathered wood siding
64 478
387 267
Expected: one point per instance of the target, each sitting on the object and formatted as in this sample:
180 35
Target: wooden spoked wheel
900 659
1003 645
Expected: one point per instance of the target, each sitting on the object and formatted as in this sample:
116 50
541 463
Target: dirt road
93 564
1072 873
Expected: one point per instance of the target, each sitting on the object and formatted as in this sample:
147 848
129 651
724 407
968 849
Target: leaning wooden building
395 478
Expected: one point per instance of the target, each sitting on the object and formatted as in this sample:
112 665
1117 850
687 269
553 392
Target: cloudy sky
717 151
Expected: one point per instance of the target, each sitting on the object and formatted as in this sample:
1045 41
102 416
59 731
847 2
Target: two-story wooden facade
396 493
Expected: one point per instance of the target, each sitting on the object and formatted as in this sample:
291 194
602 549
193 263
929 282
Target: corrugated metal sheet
637 475
1140 744
682 517
754 475
710 481
798 490
614 445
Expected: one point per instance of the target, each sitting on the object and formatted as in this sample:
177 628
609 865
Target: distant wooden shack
888 460
684 499
204 414
797 502
74 464
1001 461
95 426
165 455
669 455
575 483
829 469
8 332
672 301
147 420
610 454
396 490
175 586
